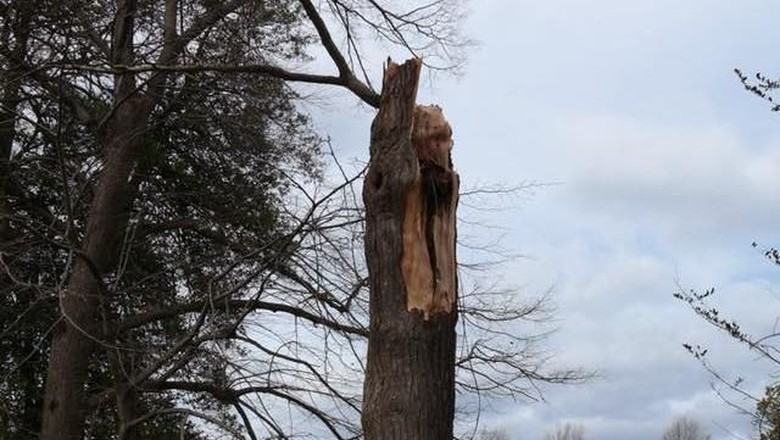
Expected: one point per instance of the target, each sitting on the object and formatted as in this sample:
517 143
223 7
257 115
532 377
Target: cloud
616 238
691 179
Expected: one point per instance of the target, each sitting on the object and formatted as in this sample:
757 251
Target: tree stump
411 195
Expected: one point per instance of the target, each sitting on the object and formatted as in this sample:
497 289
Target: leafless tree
685 428
566 431
493 434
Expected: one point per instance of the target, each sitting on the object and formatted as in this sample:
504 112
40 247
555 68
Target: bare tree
566 431
493 434
685 428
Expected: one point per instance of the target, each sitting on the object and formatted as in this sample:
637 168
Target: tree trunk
73 342
64 409
8 106
410 194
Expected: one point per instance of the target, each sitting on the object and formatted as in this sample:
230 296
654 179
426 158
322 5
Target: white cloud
691 179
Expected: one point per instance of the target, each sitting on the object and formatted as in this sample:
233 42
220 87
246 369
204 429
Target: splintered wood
429 232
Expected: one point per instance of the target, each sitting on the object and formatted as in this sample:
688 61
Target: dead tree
410 194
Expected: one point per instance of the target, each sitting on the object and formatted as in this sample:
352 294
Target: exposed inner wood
428 262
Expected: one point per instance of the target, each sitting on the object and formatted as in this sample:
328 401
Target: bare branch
351 83
238 304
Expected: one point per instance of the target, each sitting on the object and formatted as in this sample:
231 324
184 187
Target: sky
653 170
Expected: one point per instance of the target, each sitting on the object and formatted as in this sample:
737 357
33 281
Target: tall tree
685 428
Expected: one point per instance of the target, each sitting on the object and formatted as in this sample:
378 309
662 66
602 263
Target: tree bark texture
410 194
64 409
8 105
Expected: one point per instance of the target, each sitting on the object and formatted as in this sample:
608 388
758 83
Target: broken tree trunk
410 194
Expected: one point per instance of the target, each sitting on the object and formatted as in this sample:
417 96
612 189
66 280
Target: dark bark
121 135
127 411
410 194
28 421
73 342
9 101
7 134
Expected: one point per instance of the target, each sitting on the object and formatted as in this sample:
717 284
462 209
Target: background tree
566 431
767 415
493 434
685 428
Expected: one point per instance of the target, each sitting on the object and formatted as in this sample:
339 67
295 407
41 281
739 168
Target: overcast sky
664 170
